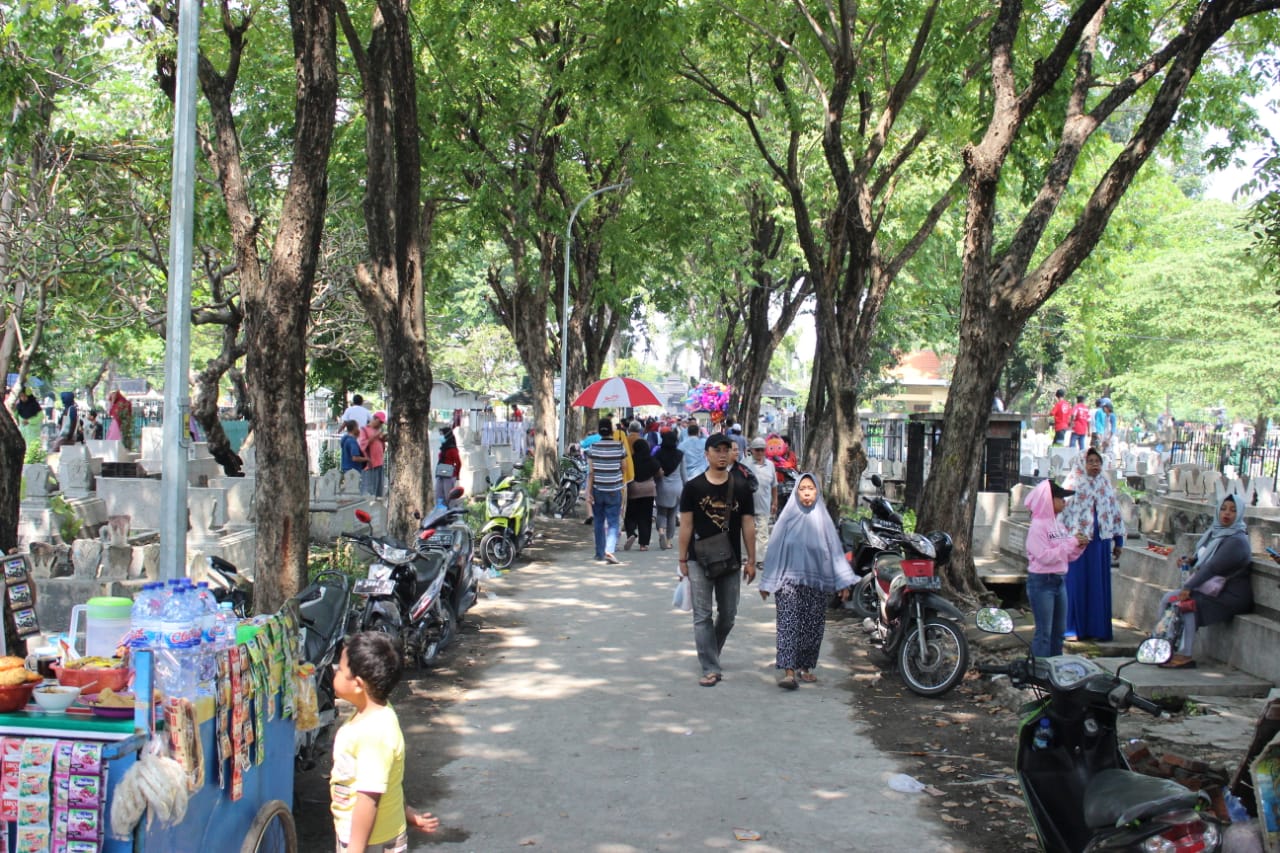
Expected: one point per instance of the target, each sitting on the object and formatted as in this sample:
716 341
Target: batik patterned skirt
801 621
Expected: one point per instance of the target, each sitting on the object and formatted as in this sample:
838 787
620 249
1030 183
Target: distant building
921 381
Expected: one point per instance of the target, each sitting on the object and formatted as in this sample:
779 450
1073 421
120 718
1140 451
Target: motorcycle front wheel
564 501
945 658
863 601
498 550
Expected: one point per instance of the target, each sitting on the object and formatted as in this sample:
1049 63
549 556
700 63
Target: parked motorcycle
508 528
864 539
445 531
1077 785
915 626
401 596
228 584
573 474
787 479
323 606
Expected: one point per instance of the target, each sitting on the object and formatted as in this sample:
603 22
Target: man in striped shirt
606 492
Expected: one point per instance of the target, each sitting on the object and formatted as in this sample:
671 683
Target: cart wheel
272 830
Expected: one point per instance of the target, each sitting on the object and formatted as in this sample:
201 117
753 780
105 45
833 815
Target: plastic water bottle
207 661
1184 565
179 638
144 618
225 626
1043 738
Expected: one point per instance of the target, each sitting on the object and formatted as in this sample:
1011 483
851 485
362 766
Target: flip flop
1179 662
807 677
788 683
612 560
711 679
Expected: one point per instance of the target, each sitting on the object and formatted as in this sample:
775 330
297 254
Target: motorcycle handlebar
995 668
1144 704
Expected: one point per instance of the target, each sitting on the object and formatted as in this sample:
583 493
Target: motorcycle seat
1118 797
426 566
322 605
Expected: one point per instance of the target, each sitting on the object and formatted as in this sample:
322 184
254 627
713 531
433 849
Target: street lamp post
561 444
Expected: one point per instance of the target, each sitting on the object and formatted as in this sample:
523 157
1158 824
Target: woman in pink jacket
1050 547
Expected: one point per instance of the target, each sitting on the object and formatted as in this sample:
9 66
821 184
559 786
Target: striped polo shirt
606 457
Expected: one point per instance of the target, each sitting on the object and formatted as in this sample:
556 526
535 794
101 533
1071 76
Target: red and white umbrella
617 392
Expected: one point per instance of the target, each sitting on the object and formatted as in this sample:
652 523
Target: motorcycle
445 531
508 528
914 625
573 474
401 596
1077 785
863 540
787 479
322 607
227 584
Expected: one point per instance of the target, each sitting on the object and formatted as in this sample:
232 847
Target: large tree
276 288
390 283
1055 79
834 96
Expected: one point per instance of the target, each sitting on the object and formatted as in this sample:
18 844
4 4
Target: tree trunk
12 452
390 284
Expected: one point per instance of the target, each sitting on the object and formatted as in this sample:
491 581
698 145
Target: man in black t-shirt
704 512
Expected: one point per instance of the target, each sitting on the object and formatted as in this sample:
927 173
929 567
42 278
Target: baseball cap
758 443
380 416
1059 492
718 439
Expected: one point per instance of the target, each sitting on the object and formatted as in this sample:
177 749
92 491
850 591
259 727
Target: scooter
401 596
445 531
864 539
1077 785
508 528
573 473
915 626
228 584
323 606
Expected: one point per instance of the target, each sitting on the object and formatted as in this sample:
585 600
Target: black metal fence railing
1247 461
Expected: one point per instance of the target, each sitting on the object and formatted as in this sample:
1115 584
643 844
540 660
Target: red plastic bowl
116 678
16 698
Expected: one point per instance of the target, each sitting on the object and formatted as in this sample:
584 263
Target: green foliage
329 459
35 453
67 521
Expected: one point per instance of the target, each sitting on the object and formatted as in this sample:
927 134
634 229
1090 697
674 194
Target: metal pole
563 413
177 356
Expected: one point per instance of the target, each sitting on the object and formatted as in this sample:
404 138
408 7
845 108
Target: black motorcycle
914 625
445 532
1075 780
863 540
322 606
573 474
401 595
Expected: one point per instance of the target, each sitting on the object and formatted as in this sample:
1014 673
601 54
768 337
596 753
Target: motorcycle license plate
929 582
443 538
374 586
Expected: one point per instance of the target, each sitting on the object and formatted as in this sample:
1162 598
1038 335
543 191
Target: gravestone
75 478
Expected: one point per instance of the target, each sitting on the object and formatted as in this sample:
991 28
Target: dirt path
569 718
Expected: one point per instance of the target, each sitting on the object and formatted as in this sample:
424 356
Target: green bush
68 522
329 459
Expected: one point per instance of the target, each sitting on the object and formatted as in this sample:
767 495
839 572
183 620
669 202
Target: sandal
711 679
807 677
1179 662
788 683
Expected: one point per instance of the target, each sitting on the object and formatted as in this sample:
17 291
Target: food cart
69 777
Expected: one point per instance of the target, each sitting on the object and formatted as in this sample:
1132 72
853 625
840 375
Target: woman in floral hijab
1095 513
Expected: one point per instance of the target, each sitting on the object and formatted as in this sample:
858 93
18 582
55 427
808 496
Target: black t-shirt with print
707 502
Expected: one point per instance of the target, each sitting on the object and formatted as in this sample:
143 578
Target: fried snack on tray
14 677
108 698
11 662
94 663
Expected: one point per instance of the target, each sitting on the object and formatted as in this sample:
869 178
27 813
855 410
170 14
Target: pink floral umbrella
618 392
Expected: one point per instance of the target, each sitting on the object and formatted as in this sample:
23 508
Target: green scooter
508 526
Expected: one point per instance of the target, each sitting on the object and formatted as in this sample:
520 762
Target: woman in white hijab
805 565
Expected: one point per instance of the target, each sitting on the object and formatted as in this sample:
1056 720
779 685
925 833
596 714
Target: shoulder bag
715 553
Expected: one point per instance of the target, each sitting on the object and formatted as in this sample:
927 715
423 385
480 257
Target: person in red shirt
1061 412
1080 417
448 465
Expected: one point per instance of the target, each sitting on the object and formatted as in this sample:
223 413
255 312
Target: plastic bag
1170 625
682 598
307 711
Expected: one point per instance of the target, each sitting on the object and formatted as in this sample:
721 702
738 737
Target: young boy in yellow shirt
366 786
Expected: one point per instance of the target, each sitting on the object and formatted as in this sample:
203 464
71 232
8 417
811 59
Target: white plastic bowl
55 698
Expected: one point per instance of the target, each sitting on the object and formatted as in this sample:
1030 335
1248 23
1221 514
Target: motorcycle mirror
993 620
363 516
876 481
1155 650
